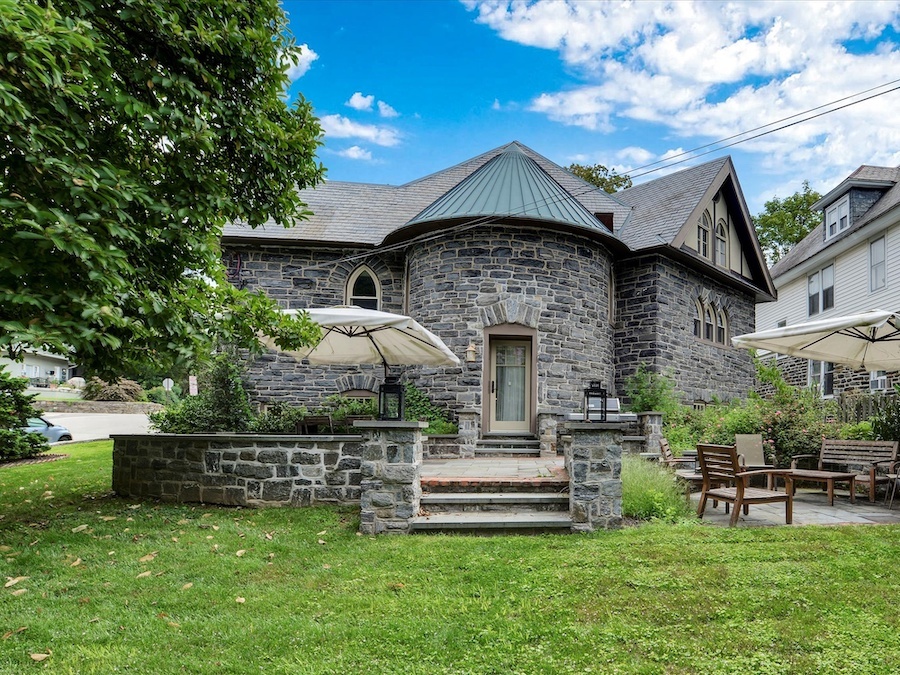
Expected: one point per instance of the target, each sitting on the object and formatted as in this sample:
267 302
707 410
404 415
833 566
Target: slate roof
360 213
661 207
814 243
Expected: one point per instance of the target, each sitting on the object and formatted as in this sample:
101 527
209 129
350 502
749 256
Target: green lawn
108 585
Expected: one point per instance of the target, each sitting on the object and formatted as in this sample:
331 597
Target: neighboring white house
849 263
40 367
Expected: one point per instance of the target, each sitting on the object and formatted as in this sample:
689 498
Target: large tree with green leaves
784 223
605 179
131 131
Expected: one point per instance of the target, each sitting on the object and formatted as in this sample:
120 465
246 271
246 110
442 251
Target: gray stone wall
795 372
656 300
238 470
534 277
311 277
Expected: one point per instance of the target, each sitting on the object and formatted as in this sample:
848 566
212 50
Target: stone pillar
651 425
469 426
593 454
391 481
546 424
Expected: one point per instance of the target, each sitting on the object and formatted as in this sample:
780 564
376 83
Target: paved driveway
97 426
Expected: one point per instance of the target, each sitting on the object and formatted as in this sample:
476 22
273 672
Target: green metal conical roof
510 185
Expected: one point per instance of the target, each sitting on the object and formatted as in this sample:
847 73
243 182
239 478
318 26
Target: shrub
650 492
862 431
128 391
15 409
886 421
221 405
163 397
342 407
420 407
279 418
649 391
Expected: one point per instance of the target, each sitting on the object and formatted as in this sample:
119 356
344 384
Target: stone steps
493 523
508 446
494 502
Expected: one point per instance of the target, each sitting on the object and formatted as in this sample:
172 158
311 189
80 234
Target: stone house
537 280
846 265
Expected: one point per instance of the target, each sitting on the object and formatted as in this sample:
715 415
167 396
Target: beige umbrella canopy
352 335
868 340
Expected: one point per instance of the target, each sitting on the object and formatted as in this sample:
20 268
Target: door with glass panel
510 389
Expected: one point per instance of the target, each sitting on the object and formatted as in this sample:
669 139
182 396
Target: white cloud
305 61
386 111
709 70
360 102
337 126
356 152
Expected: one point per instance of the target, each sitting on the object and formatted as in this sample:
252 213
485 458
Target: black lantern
391 399
594 403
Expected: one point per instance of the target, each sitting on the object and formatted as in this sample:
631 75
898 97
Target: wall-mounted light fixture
470 353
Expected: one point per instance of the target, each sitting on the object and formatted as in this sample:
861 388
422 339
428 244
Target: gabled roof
661 207
814 243
510 185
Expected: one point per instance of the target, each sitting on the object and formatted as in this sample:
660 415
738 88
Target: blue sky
404 88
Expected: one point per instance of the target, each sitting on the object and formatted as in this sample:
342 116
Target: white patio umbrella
353 335
868 340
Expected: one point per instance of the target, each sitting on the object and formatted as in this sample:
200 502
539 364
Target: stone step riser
498 508
554 487
508 454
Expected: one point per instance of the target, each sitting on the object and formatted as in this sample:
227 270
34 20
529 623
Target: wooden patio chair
724 480
684 467
752 455
315 425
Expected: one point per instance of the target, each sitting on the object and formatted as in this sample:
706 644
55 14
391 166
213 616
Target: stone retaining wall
100 407
239 470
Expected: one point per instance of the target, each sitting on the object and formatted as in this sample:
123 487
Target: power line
666 163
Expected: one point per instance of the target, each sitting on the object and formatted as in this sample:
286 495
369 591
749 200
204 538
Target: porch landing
534 471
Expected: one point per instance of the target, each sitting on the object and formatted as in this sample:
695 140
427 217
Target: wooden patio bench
723 480
851 461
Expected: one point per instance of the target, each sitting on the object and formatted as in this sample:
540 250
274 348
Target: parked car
53 432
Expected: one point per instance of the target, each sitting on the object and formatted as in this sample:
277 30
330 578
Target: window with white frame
703 227
837 217
722 244
821 290
821 376
877 264
363 289
878 380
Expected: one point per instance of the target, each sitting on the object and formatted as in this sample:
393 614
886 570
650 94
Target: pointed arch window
721 327
363 289
721 244
709 324
698 320
703 228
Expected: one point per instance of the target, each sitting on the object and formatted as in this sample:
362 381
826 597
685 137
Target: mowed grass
98 584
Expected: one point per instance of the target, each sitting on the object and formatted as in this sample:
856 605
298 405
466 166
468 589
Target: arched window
698 320
703 227
363 289
721 244
709 325
721 327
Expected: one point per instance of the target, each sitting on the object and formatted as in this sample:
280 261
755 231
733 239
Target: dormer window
722 244
703 228
837 217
